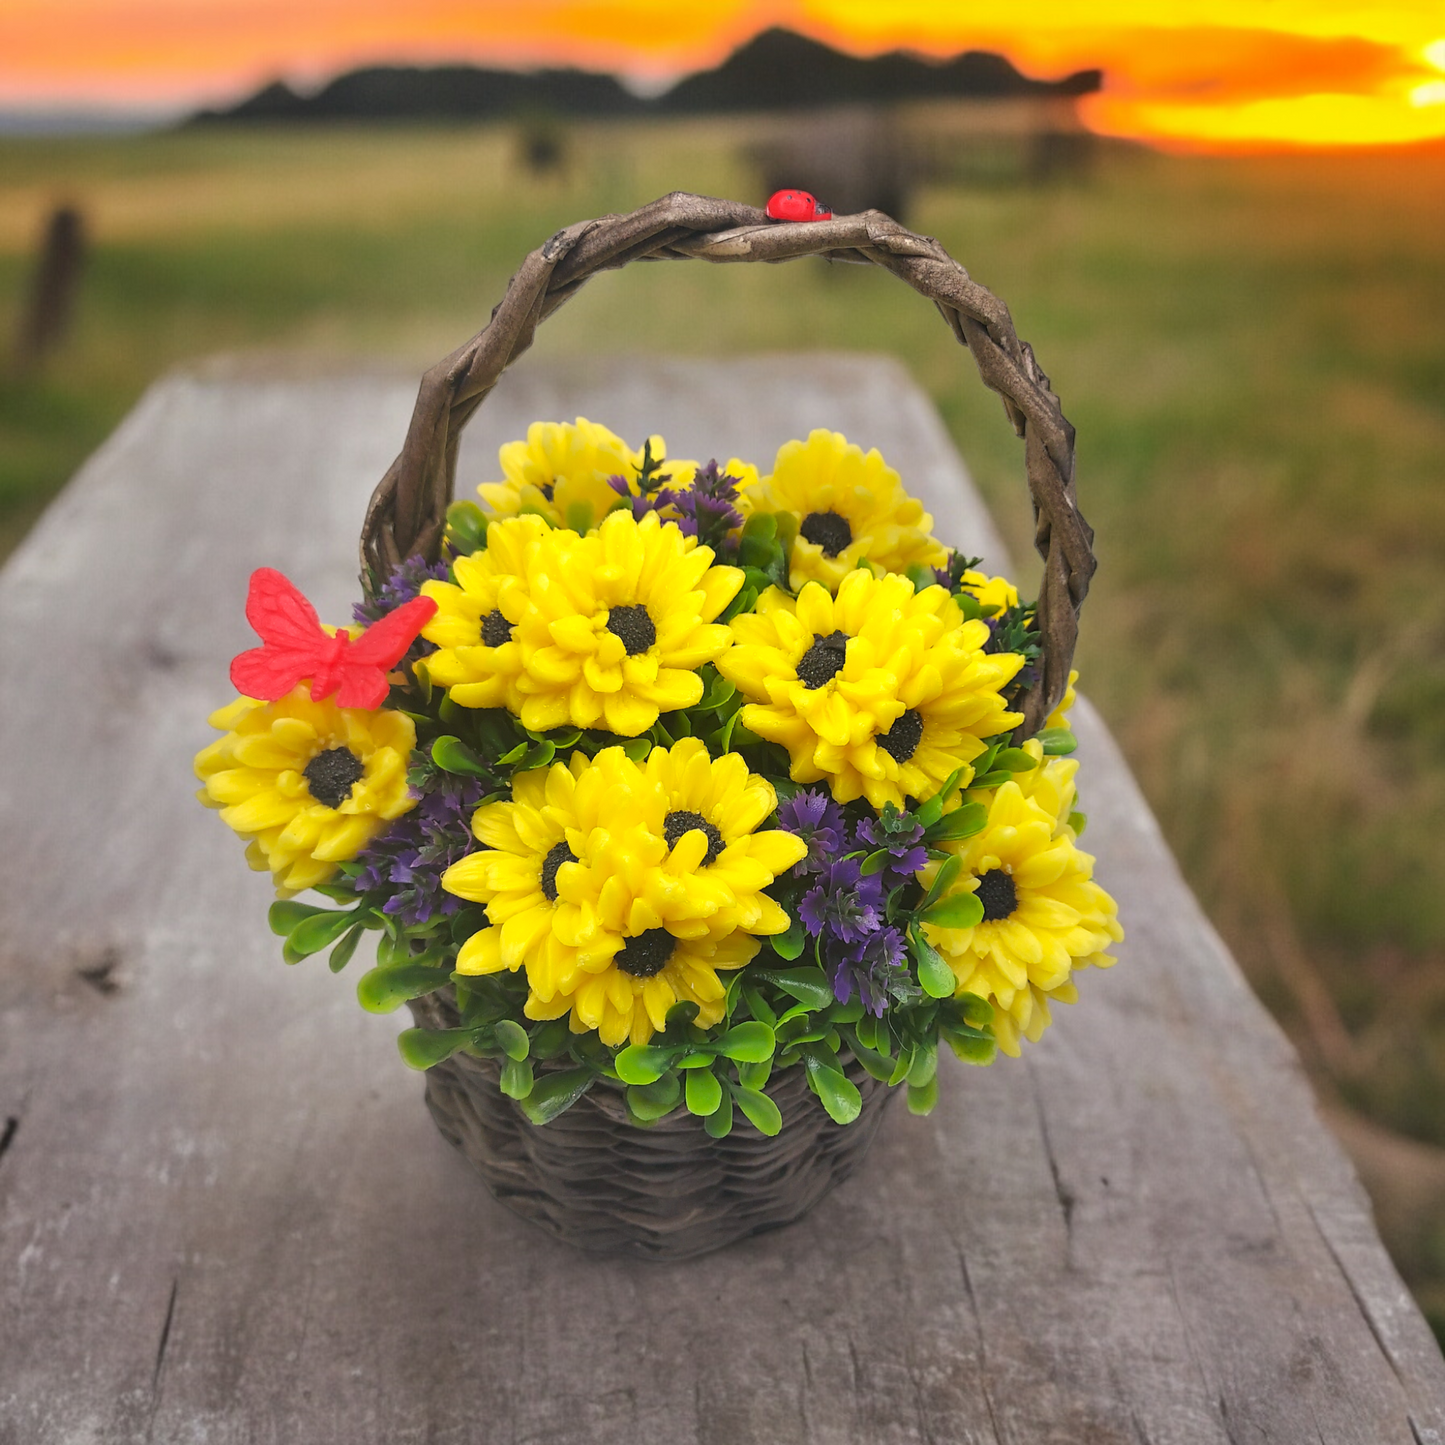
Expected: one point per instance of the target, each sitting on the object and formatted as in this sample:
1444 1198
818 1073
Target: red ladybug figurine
797 206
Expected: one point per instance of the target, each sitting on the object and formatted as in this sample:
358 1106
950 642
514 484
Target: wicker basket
596 1180
591 1177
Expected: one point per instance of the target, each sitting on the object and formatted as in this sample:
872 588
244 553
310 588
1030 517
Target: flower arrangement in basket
695 807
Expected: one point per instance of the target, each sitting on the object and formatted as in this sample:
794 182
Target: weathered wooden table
226 1217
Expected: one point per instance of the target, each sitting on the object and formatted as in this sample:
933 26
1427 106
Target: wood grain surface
225 1216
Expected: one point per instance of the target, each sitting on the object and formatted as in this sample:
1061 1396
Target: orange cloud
1325 72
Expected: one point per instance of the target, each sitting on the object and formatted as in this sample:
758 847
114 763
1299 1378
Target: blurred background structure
1242 318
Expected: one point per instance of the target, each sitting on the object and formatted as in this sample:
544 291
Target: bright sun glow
1197 74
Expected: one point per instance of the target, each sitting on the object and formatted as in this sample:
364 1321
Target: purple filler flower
844 905
877 967
819 822
411 856
403 584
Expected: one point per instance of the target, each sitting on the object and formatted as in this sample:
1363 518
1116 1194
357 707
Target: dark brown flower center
998 895
329 775
678 825
901 741
557 855
495 628
633 626
823 659
646 955
827 530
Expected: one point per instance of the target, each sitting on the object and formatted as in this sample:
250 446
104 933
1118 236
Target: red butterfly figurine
797 206
295 647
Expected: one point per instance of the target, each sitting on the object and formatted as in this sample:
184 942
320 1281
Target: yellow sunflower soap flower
538 875
308 784
850 506
582 885
881 691
1059 718
707 811
617 625
997 594
477 659
627 1001
1043 916
561 472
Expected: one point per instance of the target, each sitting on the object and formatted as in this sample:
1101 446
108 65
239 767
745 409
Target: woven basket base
607 1186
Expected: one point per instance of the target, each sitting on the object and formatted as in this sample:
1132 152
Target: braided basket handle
407 513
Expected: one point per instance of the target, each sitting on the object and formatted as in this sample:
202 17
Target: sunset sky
1214 74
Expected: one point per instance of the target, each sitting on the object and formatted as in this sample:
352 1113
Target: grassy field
1250 349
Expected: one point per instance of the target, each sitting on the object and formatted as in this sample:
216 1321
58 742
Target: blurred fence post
48 308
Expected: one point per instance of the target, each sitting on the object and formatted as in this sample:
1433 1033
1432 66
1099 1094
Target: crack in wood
1420 1435
1358 1298
1065 1195
165 1338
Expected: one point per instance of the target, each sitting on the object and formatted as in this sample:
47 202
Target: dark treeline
775 70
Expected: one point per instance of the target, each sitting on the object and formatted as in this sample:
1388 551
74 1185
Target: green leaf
637 749
903 1065
517 1078
978 1011
759 1006
1078 822
790 945
642 1064
965 820
875 862
579 517
720 1124
958 910
747 1043
934 974
839 1094
283 916
761 525
948 870
467 526
972 1048
697 1059
385 989
554 1094
423 1048
922 1098
341 954
550 1039
704 1093
682 1013
932 810
758 1109
1015 760
537 756
1056 742
512 1038
879 1065
452 755
925 1065
319 931
994 779
755 1076
807 985
652 1101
